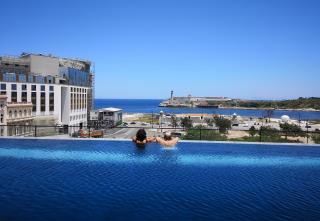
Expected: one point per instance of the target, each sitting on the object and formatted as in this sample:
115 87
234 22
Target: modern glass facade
10 77
30 79
22 78
40 80
74 76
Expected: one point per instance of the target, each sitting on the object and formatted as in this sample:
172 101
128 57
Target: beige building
16 118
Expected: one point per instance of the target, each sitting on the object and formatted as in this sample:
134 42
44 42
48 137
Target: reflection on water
141 155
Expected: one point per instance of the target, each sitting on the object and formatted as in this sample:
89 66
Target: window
20 113
43 88
1 118
13 96
15 113
24 97
13 87
51 102
40 79
30 79
24 87
11 77
22 78
43 101
33 87
3 87
10 114
49 79
25 113
34 101
51 88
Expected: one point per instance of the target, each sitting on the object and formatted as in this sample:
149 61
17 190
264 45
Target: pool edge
181 141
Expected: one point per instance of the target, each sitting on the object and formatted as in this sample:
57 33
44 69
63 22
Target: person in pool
141 138
167 140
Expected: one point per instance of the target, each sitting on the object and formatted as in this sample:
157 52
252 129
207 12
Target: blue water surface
151 106
113 180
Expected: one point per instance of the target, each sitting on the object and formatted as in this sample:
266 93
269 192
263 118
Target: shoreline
278 109
249 108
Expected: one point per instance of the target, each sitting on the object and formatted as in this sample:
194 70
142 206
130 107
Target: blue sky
266 49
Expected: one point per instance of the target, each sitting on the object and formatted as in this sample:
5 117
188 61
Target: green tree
316 138
174 121
252 131
291 129
222 123
268 114
186 122
209 122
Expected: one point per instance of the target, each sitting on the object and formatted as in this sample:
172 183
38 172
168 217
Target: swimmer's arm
172 142
161 141
151 139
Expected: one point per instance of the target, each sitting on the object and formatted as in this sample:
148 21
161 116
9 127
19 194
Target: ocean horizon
152 106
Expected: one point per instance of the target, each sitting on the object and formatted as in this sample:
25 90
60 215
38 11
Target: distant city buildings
190 101
50 89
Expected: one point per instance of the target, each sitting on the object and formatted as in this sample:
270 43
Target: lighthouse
171 98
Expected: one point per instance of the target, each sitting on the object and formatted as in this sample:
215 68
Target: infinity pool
113 180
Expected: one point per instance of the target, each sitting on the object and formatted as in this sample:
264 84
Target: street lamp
160 119
307 126
152 120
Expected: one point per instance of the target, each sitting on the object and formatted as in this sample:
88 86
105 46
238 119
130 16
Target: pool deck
181 141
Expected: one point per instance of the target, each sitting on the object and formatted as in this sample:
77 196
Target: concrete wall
44 65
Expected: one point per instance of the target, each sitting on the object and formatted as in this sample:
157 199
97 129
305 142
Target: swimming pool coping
181 141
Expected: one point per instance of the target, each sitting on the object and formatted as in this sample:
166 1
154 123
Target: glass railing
192 133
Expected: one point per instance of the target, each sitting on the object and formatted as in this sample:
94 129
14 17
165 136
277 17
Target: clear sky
267 49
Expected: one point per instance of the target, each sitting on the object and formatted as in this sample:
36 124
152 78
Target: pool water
113 180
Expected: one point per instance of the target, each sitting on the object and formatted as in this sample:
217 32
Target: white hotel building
60 89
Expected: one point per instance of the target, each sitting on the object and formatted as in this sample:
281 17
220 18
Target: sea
152 106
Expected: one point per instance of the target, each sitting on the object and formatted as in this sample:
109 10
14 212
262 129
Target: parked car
133 122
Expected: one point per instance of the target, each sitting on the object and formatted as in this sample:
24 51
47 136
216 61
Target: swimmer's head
141 135
167 135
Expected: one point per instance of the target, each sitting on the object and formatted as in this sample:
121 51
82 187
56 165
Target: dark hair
141 135
166 137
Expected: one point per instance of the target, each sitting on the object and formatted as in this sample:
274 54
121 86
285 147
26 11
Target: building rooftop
110 109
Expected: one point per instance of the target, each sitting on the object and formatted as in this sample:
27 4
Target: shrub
316 138
222 123
186 122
